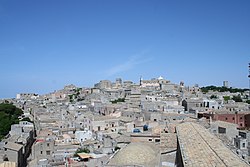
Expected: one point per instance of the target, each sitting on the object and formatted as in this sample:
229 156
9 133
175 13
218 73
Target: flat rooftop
202 149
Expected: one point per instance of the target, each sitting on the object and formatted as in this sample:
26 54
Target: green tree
237 98
8 115
118 100
213 97
80 150
27 119
226 98
222 89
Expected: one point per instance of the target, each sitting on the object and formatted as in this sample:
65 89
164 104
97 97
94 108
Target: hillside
8 115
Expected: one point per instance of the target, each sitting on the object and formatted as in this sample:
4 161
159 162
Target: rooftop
13 146
201 148
145 154
8 164
104 118
225 124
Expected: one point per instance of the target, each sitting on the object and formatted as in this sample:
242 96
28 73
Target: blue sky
47 44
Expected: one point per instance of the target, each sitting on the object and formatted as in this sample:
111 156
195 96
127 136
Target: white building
82 136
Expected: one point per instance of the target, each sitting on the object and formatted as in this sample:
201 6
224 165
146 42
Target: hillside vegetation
8 115
222 89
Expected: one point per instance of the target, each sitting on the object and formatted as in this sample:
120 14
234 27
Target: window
149 139
240 117
221 130
243 145
41 152
47 144
155 120
47 152
233 118
226 118
157 140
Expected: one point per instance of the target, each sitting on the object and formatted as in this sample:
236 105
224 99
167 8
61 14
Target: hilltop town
150 123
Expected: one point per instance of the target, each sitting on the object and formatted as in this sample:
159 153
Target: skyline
45 45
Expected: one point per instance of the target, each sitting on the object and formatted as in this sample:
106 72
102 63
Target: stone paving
202 149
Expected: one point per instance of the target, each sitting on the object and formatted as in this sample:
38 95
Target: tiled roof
8 164
200 148
141 154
